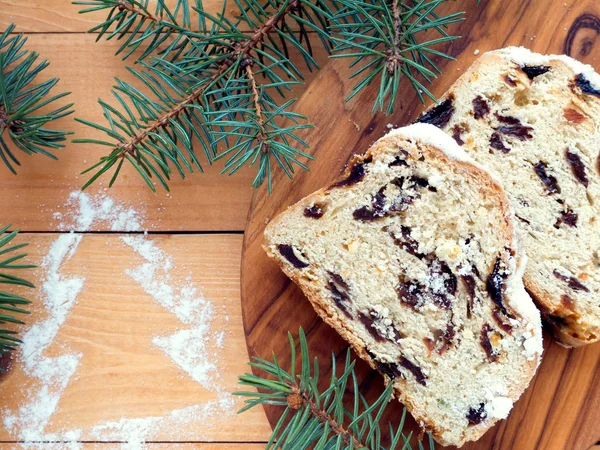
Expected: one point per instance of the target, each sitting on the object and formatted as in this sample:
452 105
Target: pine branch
390 41
11 304
21 101
205 88
316 418
132 21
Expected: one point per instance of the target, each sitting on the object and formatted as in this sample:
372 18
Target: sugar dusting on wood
59 293
193 348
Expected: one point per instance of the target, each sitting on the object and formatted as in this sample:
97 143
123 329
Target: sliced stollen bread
412 258
535 120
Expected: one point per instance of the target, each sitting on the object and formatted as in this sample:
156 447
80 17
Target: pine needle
391 41
21 100
11 304
319 419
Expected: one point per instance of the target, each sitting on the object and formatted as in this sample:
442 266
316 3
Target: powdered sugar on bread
524 56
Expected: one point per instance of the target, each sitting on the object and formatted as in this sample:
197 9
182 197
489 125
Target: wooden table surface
200 224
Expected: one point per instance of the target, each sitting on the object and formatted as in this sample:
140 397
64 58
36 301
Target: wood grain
202 202
59 16
562 407
159 446
121 372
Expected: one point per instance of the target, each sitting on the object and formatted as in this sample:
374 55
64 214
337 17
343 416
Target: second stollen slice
535 120
413 259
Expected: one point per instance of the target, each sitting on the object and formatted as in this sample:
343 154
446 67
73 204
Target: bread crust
332 317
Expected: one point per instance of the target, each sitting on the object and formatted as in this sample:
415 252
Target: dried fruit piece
289 253
477 414
414 369
577 167
357 173
499 319
480 107
375 211
407 243
440 114
514 127
410 293
484 340
369 324
572 282
416 294
457 131
574 116
339 290
446 337
496 143
567 302
586 86
568 217
508 80
314 212
495 285
398 160
534 71
469 283
389 369
549 181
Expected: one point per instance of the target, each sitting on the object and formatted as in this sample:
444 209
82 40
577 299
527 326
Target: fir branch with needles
26 107
390 41
213 86
318 418
12 305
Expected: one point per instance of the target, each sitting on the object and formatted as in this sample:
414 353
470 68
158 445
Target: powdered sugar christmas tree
192 347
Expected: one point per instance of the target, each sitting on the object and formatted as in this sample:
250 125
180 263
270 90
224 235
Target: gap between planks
199 445
52 16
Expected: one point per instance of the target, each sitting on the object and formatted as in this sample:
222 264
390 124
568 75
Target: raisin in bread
412 258
535 120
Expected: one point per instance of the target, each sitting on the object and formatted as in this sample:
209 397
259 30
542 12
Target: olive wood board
561 407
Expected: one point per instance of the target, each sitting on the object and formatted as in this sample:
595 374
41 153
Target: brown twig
297 399
129 146
125 5
257 109
393 54
3 118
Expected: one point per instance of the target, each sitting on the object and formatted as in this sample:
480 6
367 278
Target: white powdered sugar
499 407
133 433
28 423
194 348
85 211
523 56
188 347
431 135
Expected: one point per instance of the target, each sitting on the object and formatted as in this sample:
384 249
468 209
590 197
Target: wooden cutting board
561 408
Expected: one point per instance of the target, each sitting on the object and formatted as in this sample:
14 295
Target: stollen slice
535 120
412 258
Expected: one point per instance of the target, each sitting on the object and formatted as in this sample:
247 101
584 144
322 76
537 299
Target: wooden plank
161 446
121 373
58 16
560 409
201 202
